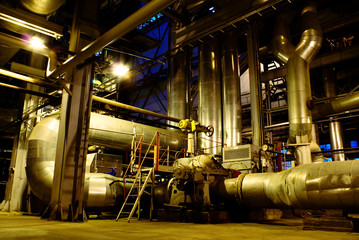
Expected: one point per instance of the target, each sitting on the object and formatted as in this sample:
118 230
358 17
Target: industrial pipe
297 60
16 42
134 109
27 79
232 112
177 88
298 80
131 22
209 96
351 101
333 185
104 131
43 7
44 95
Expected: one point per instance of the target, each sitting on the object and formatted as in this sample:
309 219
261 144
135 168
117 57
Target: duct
105 131
209 96
333 185
114 34
298 81
335 127
134 109
350 101
27 79
255 86
44 7
23 22
177 90
297 59
232 119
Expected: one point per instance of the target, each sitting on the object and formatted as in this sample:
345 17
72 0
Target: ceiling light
37 43
120 70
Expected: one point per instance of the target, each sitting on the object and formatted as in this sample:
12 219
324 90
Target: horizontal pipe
27 91
104 131
134 109
27 79
131 22
30 21
333 185
23 44
340 105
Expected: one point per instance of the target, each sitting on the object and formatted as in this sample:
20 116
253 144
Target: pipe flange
238 189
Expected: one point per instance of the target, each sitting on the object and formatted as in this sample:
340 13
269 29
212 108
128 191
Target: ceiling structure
111 32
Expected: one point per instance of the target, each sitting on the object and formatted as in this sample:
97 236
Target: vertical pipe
177 90
209 96
232 119
335 127
255 87
297 59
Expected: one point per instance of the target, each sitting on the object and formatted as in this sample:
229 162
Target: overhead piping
27 79
134 109
350 101
43 7
298 80
131 22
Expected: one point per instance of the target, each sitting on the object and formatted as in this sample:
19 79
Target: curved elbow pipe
44 7
105 131
297 60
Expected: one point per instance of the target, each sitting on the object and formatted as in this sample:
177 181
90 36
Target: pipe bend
281 42
312 36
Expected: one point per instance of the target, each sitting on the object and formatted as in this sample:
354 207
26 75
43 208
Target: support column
335 127
232 118
255 85
69 174
209 96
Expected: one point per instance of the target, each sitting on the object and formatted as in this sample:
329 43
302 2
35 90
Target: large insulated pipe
333 185
350 101
298 80
255 85
209 96
232 119
335 127
43 7
105 131
177 89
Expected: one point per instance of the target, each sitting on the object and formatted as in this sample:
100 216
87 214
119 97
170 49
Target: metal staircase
132 200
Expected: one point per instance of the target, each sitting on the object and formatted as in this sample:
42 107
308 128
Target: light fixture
119 69
37 43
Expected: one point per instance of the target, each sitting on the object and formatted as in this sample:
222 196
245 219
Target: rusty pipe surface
131 22
332 185
297 60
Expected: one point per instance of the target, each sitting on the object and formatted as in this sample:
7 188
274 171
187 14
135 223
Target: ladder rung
129 203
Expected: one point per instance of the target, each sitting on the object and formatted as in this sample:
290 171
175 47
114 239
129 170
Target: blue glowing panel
353 144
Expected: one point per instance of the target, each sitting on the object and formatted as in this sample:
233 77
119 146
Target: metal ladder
135 193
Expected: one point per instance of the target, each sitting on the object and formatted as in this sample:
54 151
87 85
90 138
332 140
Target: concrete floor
29 227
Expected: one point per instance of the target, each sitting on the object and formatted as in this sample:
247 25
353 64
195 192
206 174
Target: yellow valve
184 124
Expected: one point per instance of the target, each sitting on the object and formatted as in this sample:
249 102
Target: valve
193 126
